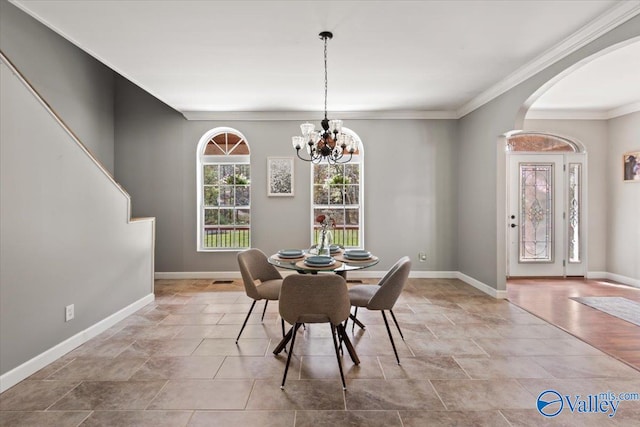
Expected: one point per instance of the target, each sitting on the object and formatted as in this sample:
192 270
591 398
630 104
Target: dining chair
321 298
262 281
382 296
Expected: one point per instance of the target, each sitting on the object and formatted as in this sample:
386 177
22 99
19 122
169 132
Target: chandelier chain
325 78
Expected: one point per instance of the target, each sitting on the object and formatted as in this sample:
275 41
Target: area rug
619 307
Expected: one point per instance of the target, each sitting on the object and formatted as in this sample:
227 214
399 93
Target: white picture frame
280 179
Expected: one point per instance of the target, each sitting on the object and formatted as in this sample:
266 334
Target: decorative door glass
536 213
575 202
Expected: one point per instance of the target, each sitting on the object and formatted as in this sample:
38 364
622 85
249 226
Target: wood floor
549 300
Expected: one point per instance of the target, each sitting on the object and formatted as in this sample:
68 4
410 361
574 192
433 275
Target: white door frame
562 265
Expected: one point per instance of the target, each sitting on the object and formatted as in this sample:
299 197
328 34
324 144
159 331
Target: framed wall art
631 166
280 176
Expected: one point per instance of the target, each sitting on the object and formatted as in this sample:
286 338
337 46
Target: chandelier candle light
330 143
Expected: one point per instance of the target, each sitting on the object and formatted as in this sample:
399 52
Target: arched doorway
546 207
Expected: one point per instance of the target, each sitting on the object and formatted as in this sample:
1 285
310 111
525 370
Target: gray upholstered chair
382 296
262 281
321 298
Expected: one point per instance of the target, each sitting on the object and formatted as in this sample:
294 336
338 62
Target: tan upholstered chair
262 281
321 298
382 296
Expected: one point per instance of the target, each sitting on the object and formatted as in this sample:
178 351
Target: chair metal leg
282 345
282 322
355 320
347 343
396 322
335 346
245 319
293 340
264 310
355 315
390 337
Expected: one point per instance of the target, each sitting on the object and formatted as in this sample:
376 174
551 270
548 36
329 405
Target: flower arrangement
325 222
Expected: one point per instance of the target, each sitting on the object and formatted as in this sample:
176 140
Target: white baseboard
482 286
359 274
219 275
596 275
603 275
33 365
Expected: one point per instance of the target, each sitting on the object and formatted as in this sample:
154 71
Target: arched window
540 142
337 190
224 196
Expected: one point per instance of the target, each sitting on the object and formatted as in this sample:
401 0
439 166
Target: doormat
622 308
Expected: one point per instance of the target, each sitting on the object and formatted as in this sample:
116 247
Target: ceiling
387 58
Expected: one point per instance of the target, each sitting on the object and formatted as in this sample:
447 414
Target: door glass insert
575 201
536 213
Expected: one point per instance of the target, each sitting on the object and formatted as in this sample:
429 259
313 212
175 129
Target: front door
536 201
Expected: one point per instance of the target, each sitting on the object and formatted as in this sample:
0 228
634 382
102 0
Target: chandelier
330 143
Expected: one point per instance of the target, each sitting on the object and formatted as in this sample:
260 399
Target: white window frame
201 161
356 159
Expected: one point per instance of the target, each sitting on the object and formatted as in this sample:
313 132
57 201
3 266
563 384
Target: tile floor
467 359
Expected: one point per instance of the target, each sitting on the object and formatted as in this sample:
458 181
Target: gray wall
79 88
623 230
410 181
481 210
65 237
593 134
65 234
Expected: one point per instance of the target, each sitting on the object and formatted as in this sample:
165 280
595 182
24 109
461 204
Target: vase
324 244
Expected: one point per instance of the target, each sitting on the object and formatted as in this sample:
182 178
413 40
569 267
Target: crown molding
614 17
315 115
566 114
577 114
623 110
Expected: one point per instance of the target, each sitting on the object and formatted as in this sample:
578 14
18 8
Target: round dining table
341 265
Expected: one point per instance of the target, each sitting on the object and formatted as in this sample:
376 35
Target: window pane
352 172
320 173
320 195
226 195
352 216
335 192
210 217
352 195
210 196
242 216
213 149
242 195
226 216
226 172
338 216
243 174
210 174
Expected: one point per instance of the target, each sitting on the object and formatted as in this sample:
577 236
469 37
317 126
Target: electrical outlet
69 313
422 256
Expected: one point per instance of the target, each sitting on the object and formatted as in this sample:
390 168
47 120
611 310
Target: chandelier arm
300 157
